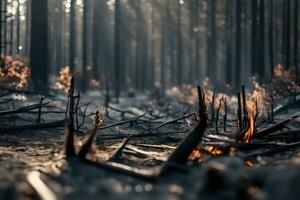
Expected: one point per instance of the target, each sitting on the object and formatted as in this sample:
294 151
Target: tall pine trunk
117 49
39 44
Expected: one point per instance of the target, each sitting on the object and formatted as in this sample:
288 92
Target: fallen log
23 109
49 125
276 127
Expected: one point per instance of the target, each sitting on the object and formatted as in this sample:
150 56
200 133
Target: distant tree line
148 44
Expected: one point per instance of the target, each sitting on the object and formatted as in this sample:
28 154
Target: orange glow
64 79
14 73
213 150
249 163
251 117
196 154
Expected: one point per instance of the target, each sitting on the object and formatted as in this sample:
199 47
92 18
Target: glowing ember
196 154
249 163
64 79
213 150
14 73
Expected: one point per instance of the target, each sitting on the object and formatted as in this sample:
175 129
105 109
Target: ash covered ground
265 168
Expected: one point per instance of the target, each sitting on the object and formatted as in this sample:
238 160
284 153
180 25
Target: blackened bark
39 44
117 49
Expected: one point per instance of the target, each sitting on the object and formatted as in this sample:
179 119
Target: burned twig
212 109
38 121
107 98
239 113
69 133
173 121
217 116
23 109
225 114
55 124
76 111
183 151
245 111
92 133
122 122
119 150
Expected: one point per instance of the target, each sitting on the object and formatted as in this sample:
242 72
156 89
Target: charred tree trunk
287 33
261 67
117 49
271 37
96 39
254 37
238 44
84 45
228 64
296 40
39 43
72 39
18 28
211 40
179 44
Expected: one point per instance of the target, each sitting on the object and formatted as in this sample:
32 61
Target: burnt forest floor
249 173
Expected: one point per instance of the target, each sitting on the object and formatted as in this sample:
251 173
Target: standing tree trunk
287 33
254 37
228 37
238 44
296 40
18 28
11 44
261 66
271 37
117 49
197 43
96 39
84 45
39 43
211 40
1 46
72 39
179 44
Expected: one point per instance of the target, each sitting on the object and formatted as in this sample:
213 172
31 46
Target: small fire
14 73
249 163
213 150
64 79
251 115
249 127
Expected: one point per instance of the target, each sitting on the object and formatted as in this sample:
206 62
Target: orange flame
213 150
251 116
249 163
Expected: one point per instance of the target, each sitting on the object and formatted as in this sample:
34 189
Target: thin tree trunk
84 45
117 49
72 39
211 40
254 37
179 45
238 44
18 28
261 66
271 37
96 39
228 38
39 43
296 40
